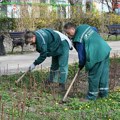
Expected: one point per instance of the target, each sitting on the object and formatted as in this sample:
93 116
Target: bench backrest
113 28
15 35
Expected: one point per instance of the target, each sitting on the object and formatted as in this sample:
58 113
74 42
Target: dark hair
28 34
69 25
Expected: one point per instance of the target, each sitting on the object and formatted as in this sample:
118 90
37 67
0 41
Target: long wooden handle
68 90
17 81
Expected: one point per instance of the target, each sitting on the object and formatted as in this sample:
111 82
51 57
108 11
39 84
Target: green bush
94 19
7 24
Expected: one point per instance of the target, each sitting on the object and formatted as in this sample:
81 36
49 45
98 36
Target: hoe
69 88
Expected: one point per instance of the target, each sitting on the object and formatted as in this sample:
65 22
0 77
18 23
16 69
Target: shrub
42 16
7 24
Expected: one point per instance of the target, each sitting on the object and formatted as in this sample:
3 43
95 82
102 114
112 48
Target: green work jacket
48 43
96 48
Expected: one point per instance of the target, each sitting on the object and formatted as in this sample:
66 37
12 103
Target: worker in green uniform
93 53
51 43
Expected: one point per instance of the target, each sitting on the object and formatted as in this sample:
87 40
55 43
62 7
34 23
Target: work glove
31 67
81 67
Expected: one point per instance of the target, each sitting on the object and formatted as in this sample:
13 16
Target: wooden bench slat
113 29
14 35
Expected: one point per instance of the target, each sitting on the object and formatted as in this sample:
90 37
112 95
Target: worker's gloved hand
32 67
81 67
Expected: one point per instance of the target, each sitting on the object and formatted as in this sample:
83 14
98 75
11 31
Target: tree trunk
84 6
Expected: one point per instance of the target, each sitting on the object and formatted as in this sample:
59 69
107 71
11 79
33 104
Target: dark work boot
62 87
103 94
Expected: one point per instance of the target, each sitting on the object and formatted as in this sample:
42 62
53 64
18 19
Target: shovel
69 88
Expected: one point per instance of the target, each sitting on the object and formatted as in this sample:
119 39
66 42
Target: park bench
18 39
113 29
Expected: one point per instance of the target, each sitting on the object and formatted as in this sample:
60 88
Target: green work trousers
59 66
98 80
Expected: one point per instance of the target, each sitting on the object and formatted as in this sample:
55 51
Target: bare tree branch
109 7
72 2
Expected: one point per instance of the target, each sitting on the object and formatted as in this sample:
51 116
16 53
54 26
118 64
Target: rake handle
20 78
69 88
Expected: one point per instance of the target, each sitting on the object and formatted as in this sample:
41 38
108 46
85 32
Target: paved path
15 63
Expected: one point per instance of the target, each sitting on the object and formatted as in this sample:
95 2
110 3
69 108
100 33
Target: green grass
30 102
46 108
115 60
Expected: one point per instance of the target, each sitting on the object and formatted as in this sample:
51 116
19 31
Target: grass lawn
30 100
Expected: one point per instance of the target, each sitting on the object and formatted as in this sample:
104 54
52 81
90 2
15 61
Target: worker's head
69 28
30 37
